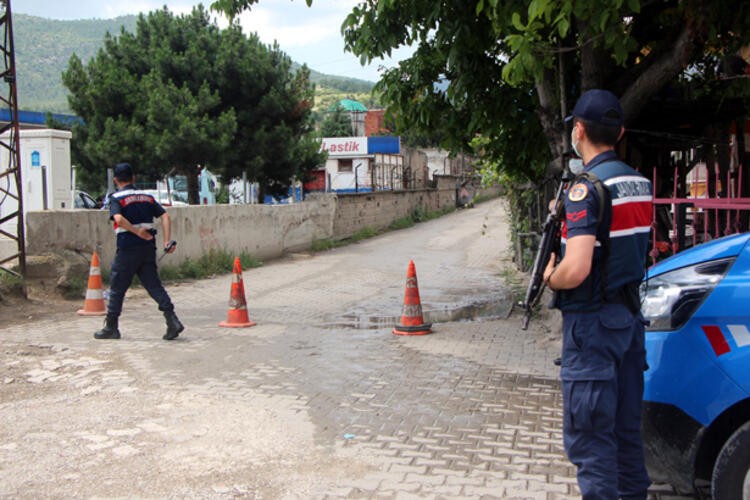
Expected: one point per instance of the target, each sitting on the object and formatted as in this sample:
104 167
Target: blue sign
387 144
35 159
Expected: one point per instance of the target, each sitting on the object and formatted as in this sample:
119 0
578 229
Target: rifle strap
605 202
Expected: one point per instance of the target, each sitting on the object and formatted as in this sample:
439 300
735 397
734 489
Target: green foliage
337 124
213 263
74 287
402 223
328 244
222 197
179 93
43 48
504 70
322 245
419 214
363 234
327 96
10 284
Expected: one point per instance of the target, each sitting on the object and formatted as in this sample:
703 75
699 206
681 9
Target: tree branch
659 73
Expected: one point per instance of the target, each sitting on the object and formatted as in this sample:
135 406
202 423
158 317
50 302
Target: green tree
510 70
337 123
180 94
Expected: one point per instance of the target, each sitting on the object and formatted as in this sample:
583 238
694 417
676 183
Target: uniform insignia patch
576 216
578 192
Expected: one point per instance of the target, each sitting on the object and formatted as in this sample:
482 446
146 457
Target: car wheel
731 476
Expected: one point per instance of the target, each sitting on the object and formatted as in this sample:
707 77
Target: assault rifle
549 242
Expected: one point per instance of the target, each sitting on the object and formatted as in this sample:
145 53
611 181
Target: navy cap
598 106
123 171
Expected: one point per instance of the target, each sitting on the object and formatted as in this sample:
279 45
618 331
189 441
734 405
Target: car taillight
670 299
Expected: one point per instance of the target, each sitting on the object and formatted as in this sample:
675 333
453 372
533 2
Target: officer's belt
629 296
147 225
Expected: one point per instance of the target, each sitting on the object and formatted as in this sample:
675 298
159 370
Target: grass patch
210 264
422 215
328 244
418 215
402 223
74 287
363 234
323 245
10 284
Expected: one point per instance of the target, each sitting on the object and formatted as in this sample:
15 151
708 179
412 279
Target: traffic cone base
412 322
423 329
237 315
237 318
94 303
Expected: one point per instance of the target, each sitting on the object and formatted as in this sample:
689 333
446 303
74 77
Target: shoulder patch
578 192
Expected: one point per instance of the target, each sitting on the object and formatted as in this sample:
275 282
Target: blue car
696 417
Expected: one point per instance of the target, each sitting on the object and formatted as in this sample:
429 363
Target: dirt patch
40 304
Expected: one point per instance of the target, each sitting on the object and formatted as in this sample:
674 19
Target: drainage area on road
439 309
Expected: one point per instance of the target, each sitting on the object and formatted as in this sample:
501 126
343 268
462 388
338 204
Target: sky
309 35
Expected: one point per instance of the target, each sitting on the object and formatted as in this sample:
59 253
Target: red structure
701 191
375 123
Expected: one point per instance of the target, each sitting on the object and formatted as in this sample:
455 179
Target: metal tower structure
11 202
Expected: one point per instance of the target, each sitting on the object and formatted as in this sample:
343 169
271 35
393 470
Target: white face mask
573 142
575 165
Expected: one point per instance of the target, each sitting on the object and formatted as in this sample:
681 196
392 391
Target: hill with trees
44 47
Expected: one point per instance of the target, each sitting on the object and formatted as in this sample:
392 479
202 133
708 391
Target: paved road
319 400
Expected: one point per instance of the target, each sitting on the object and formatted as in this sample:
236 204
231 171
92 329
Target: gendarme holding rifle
603 248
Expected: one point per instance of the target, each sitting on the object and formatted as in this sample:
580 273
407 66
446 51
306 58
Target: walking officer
133 213
604 247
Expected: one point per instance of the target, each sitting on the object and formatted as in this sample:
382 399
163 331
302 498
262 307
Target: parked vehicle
697 393
166 199
82 199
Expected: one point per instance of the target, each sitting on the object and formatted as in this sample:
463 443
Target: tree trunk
261 192
191 176
548 112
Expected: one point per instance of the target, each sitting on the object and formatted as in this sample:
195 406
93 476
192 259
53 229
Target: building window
345 165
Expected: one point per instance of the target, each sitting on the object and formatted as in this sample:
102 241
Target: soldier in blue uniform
133 214
604 248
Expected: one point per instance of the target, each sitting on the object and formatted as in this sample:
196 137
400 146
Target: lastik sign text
344 146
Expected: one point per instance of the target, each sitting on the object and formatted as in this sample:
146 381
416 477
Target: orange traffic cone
94 304
411 315
237 317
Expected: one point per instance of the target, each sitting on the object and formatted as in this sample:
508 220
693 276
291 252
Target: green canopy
350 106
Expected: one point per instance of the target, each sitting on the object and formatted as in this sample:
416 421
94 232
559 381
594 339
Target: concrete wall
264 231
377 210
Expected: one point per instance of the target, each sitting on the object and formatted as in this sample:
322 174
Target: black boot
174 327
110 330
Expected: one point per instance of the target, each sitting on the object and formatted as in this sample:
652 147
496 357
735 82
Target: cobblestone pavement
319 400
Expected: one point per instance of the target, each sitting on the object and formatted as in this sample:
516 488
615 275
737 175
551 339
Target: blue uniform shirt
623 231
139 208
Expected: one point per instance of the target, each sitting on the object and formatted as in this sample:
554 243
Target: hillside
44 46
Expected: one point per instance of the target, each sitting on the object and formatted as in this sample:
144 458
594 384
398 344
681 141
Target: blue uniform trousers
131 261
603 361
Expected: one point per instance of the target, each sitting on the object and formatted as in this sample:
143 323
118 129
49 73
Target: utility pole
11 193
